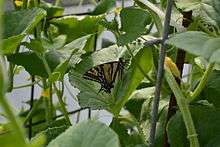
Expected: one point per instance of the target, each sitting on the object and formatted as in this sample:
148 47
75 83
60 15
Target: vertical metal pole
154 113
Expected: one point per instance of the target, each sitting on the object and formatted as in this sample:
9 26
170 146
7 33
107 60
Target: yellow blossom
45 93
18 3
168 63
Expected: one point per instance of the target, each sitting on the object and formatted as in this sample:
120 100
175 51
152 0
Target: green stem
9 113
50 105
27 85
30 114
11 77
58 93
202 83
62 104
184 109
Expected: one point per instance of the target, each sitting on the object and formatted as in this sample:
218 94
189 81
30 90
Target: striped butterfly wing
105 74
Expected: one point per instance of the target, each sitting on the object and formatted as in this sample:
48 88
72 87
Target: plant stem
62 104
27 85
31 106
9 113
184 109
89 113
202 83
180 58
58 93
160 72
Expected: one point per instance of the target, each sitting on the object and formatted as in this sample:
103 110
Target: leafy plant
180 109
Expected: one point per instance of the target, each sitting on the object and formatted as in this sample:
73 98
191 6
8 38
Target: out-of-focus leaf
89 133
103 7
52 10
20 22
35 45
33 64
56 43
10 44
208 9
52 133
206 122
211 91
199 44
75 27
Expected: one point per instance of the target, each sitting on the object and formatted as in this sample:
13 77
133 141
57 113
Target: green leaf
136 100
75 27
10 44
199 44
52 11
55 44
35 45
211 91
105 55
103 7
20 22
206 121
59 71
75 49
188 5
130 139
89 133
133 23
33 64
132 77
52 133
208 9
89 95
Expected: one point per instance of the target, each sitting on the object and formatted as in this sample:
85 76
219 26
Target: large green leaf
103 7
33 64
76 27
199 44
136 100
133 23
105 55
132 77
16 24
55 44
89 95
23 21
10 44
87 134
206 121
209 10
52 132
52 10
131 139
211 91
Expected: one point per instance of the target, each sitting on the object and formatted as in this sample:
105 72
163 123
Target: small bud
168 63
